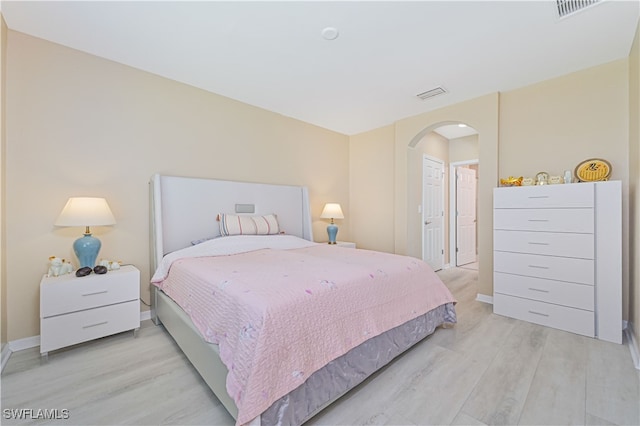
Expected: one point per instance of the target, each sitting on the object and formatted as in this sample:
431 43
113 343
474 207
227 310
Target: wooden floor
486 370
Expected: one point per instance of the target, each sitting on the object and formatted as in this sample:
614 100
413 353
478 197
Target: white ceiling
454 131
273 55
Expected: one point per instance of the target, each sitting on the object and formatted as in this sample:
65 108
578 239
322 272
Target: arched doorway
481 113
441 207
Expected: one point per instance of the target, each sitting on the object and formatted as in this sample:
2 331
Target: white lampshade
86 211
332 211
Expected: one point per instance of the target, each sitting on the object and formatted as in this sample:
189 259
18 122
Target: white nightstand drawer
545 220
68 293
560 293
545 196
64 330
554 268
546 243
547 314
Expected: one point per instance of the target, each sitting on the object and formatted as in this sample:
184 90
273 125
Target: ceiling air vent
568 7
431 93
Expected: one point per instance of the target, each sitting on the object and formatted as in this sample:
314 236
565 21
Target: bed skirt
344 373
321 388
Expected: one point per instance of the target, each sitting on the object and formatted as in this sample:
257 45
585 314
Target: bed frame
175 223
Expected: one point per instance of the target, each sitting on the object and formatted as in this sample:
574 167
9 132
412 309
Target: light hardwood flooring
486 369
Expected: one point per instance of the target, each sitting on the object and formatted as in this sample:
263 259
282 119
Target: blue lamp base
86 249
332 230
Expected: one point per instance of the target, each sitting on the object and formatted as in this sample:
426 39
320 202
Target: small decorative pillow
231 224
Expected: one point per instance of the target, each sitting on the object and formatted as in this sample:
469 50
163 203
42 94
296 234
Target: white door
466 215
432 212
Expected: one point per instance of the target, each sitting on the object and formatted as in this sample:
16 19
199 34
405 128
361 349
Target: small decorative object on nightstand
75 310
58 266
332 211
86 211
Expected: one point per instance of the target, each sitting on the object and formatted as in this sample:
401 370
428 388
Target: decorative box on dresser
558 256
78 309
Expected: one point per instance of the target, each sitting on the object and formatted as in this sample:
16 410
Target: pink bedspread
280 315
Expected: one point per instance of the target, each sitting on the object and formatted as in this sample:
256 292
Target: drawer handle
95 325
95 292
539 196
538 267
538 220
539 313
538 289
539 244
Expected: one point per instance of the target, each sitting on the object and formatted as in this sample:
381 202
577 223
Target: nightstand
78 309
346 244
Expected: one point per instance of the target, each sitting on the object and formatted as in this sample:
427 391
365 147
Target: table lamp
86 211
332 211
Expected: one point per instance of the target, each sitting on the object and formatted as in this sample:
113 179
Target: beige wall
372 178
634 185
464 149
549 126
554 125
481 114
82 125
3 139
371 189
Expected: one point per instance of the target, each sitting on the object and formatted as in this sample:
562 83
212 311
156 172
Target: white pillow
231 224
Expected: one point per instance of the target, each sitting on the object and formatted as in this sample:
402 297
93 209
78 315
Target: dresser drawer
547 243
545 196
560 293
64 330
554 268
68 293
561 317
544 220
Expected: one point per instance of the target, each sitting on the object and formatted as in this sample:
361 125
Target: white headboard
185 209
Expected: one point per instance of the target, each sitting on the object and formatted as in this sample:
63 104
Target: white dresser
77 309
558 256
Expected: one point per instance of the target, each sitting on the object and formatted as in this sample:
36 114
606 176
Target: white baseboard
34 341
633 345
26 343
18 345
145 315
6 353
484 298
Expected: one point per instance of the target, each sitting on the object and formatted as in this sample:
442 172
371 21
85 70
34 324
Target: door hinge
442 251
457 249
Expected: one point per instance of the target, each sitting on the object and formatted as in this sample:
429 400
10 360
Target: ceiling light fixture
330 33
462 125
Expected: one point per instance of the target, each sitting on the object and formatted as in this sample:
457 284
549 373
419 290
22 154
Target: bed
278 326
